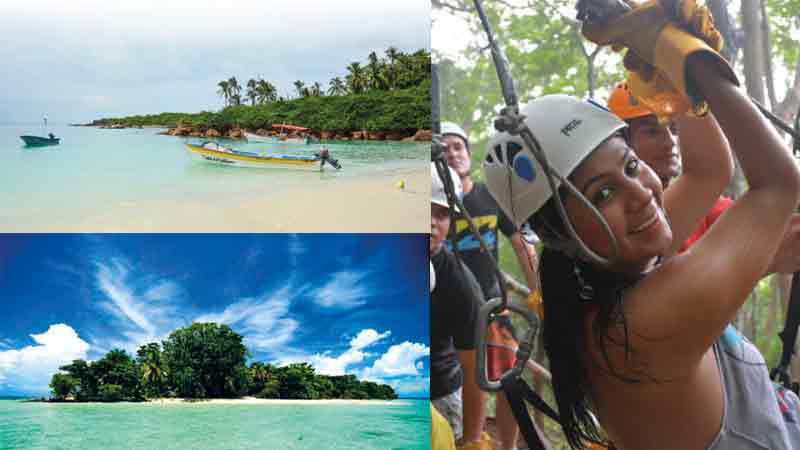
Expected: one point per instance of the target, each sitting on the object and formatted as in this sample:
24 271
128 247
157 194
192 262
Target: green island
198 362
386 98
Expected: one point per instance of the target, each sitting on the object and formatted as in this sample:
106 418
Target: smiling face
628 195
457 154
655 144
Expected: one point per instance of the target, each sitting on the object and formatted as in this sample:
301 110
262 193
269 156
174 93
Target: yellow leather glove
660 36
534 302
485 443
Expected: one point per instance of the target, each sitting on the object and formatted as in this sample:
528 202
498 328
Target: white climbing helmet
567 129
451 128
438 195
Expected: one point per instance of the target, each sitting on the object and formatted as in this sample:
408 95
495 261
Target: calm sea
93 168
403 424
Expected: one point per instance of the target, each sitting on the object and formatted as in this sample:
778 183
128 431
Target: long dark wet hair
568 285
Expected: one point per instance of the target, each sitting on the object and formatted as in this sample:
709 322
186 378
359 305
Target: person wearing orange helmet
655 144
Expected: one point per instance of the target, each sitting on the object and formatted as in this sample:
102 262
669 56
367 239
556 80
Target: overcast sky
84 59
347 304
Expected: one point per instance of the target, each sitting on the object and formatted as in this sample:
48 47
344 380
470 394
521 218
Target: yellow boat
213 152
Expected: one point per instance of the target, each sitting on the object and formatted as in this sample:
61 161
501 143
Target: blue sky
85 59
353 304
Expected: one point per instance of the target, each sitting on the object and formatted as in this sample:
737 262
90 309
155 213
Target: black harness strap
516 390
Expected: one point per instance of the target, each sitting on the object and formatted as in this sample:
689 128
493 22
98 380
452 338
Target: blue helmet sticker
524 168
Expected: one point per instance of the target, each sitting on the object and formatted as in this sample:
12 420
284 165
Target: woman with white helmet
633 333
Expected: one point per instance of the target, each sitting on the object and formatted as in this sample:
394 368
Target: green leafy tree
224 91
81 371
337 87
63 385
356 79
252 91
205 360
235 91
153 368
111 393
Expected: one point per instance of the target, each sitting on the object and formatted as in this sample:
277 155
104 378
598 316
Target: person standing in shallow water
636 342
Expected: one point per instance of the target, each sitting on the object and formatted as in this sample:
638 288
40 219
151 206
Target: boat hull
246 159
258 138
38 141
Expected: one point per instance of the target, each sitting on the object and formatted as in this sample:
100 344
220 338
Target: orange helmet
623 103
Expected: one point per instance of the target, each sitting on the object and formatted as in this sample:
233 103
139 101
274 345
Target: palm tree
356 79
252 90
266 92
337 87
374 71
391 69
224 91
316 89
154 371
301 89
236 89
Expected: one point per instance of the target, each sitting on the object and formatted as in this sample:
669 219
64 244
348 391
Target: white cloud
329 365
29 369
264 322
345 289
123 304
163 290
326 365
367 337
411 386
142 312
399 360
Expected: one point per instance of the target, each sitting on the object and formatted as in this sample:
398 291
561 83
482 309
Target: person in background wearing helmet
655 144
635 339
455 301
488 219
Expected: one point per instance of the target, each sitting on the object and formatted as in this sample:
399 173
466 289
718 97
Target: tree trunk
727 28
753 47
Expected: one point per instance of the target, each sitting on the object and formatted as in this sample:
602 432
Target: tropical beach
330 134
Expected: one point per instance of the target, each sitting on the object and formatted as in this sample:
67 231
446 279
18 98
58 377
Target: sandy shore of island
364 204
265 401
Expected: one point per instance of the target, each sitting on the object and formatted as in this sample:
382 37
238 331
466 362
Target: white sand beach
355 205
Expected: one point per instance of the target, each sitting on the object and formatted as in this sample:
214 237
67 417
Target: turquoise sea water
402 424
93 168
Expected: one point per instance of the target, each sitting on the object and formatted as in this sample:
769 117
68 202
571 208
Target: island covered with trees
201 361
384 98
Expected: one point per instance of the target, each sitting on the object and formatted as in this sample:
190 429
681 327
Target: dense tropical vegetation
201 361
390 93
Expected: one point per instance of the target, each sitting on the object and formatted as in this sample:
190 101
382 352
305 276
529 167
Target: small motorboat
38 141
258 138
292 134
213 152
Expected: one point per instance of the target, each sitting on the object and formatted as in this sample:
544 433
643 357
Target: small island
202 361
385 98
